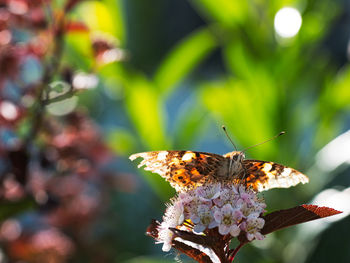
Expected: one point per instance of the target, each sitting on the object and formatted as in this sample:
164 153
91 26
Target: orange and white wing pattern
183 169
262 175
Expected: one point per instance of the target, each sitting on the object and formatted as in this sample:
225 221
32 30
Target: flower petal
227 209
234 230
259 236
199 228
166 247
213 224
195 218
250 237
218 216
224 230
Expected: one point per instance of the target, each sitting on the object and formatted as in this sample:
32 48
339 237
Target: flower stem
234 252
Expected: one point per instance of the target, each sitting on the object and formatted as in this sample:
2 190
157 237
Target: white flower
174 214
172 218
165 236
230 207
185 197
246 209
252 226
228 219
203 219
227 195
209 192
247 198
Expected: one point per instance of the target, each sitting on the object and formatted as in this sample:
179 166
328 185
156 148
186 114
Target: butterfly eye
235 157
241 156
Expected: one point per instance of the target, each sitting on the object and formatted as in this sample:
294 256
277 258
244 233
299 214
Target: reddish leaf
293 216
321 211
152 229
75 26
196 254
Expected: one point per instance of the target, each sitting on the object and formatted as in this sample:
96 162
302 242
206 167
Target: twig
234 252
49 72
67 95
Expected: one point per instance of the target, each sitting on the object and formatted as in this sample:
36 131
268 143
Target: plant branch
67 95
49 72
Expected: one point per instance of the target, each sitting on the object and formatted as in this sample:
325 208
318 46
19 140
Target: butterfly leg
241 179
230 166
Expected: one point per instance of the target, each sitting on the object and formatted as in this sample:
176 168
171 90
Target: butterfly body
188 169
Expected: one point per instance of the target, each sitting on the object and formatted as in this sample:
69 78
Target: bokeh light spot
5 37
10 229
18 7
85 81
287 22
63 107
8 110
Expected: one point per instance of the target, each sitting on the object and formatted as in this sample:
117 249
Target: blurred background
84 84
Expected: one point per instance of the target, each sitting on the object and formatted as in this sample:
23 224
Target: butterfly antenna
224 128
274 137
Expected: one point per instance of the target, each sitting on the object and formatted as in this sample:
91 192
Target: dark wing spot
203 170
278 168
248 165
210 161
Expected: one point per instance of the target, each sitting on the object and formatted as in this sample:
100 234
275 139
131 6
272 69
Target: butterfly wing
262 175
183 169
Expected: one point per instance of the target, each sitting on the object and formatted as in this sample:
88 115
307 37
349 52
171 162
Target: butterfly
187 170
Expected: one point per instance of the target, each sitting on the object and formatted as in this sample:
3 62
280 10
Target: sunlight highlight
335 153
85 81
287 22
336 199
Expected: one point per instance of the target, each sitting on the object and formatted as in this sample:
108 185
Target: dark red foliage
50 166
47 245
19 161
9 61
293 216
74 143
76 27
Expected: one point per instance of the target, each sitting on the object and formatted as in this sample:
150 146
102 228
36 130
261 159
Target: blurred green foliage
226 67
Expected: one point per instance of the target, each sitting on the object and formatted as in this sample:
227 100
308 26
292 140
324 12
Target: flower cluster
233 209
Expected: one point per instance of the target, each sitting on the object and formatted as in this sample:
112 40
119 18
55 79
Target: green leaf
191 123
115 8
146 112
184 58
78 51
11 209
338 94
243 111
227 12
121 141
102 17
239 60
